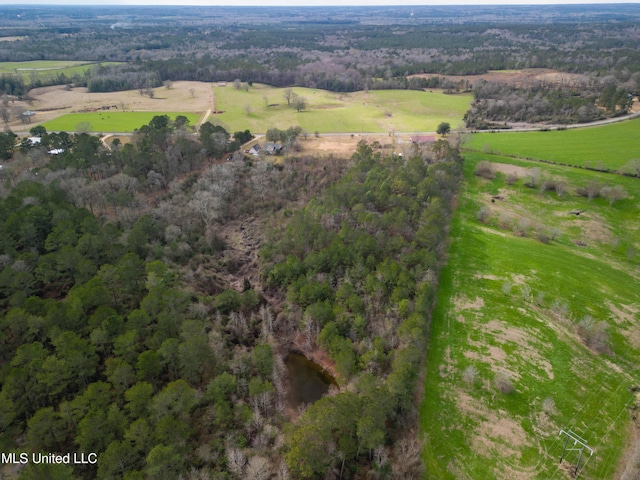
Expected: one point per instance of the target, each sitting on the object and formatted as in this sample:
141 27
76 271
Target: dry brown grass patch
509 169
495 432
463 303
55 101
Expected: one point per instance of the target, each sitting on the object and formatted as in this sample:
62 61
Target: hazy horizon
277 3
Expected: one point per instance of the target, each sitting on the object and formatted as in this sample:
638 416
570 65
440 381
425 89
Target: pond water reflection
307 380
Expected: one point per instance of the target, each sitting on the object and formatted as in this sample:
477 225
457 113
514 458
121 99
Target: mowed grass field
44 68
515 307
608 146
264 107
16 67
111 121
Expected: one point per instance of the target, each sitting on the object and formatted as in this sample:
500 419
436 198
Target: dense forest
360 269
130 329
496 104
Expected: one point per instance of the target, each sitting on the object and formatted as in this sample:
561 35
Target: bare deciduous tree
522 226
484 169
155 180
534 176
549 406
560 309
470 375
613 194
283 472
483 214
5 114
288 95
511 178
408 462
258 468
122 181
236 461
594 334
632 167
195 474
83 127
591 190
207 205
503 383
561 188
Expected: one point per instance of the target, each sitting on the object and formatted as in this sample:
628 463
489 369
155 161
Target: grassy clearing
110 121
11 39
264 107
17 67
511 305
44 68
608 146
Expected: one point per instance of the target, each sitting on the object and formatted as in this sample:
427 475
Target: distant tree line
316 54
119 81
12 85
494 104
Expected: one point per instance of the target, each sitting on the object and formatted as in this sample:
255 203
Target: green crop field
605 147
18 67
43 68
110 121
373 111
537 314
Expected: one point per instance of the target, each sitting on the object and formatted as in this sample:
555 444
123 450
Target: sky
266 3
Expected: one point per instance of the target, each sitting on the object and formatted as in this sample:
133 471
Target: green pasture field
607 146
43 68
111 121
17 67
373 111
510 304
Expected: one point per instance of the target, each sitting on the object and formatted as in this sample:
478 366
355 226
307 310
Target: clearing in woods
43 69
263 107
111 121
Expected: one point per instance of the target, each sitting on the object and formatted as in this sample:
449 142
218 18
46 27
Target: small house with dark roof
273 148
255 150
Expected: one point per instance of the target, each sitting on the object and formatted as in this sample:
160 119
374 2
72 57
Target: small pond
307 380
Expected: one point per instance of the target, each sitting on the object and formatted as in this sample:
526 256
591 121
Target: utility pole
579 445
